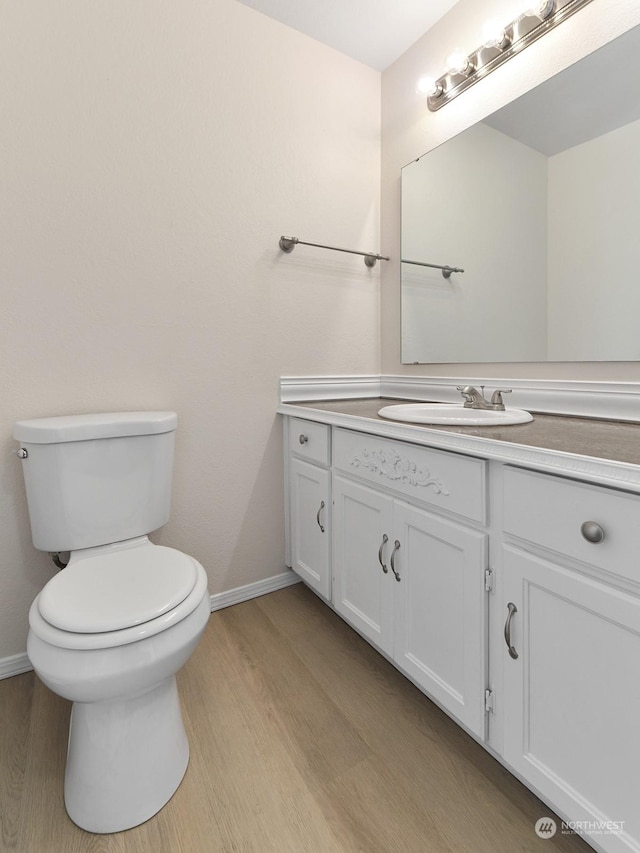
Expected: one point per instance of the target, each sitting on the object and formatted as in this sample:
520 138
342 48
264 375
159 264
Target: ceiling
375 32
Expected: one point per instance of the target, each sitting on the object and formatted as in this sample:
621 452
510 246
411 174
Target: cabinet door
363 595
310 525
572 696
440 606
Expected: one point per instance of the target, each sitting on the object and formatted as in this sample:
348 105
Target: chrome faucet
474 399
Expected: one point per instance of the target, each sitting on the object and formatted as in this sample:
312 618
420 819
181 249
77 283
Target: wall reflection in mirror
539 204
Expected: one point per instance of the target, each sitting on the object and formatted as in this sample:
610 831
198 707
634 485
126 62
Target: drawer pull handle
385 539
318 516
507 630
396 547
303 439
592 532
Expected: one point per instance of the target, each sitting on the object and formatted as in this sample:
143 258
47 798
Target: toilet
111 630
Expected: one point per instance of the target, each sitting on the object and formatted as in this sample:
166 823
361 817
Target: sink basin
453 415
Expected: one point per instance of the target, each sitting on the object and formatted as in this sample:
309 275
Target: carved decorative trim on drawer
390 464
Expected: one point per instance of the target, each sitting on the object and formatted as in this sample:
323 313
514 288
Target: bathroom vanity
496 568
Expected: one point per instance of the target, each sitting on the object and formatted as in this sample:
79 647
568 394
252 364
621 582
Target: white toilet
111 630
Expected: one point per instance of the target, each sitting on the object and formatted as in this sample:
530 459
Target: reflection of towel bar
370 258
446 270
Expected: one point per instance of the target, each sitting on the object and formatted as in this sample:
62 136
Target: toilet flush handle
20 452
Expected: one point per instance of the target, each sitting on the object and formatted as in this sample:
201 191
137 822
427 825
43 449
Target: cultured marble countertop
615 441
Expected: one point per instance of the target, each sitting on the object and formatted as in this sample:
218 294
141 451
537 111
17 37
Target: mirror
539 204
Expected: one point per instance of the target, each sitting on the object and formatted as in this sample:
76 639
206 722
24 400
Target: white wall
409 129
152 153
594 249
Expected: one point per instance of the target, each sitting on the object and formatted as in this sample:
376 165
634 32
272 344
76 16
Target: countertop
613 441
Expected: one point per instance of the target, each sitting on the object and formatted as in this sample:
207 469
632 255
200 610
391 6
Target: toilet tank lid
84 427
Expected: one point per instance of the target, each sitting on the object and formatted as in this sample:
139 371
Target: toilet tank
96 479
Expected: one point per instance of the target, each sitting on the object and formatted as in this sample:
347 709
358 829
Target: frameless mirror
539 204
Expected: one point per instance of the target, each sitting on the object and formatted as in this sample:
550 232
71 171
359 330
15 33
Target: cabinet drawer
309 440
449 481
550 511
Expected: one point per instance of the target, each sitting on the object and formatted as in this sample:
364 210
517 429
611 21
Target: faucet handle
496 397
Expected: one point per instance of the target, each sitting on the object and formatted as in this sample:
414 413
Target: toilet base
125 760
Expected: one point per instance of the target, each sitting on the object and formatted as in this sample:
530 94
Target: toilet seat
117 590
111 599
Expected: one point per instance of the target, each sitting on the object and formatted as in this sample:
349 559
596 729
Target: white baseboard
17 664
14 665
253 590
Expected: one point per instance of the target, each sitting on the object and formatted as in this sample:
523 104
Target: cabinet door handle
396 547
303 439
385 539
318 516
592 532
507 630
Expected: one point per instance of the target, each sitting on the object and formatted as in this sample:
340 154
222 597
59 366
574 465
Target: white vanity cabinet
409 579
309 484
572 621
505 584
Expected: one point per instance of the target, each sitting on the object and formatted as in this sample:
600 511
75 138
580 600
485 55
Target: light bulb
494 35
541 9
429 86
458 63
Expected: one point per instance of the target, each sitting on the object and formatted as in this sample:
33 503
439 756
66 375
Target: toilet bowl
127 750
111 630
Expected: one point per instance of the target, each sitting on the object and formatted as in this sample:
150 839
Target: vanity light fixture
500 44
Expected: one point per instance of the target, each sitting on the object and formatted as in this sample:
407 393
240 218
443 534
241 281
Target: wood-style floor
303 740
